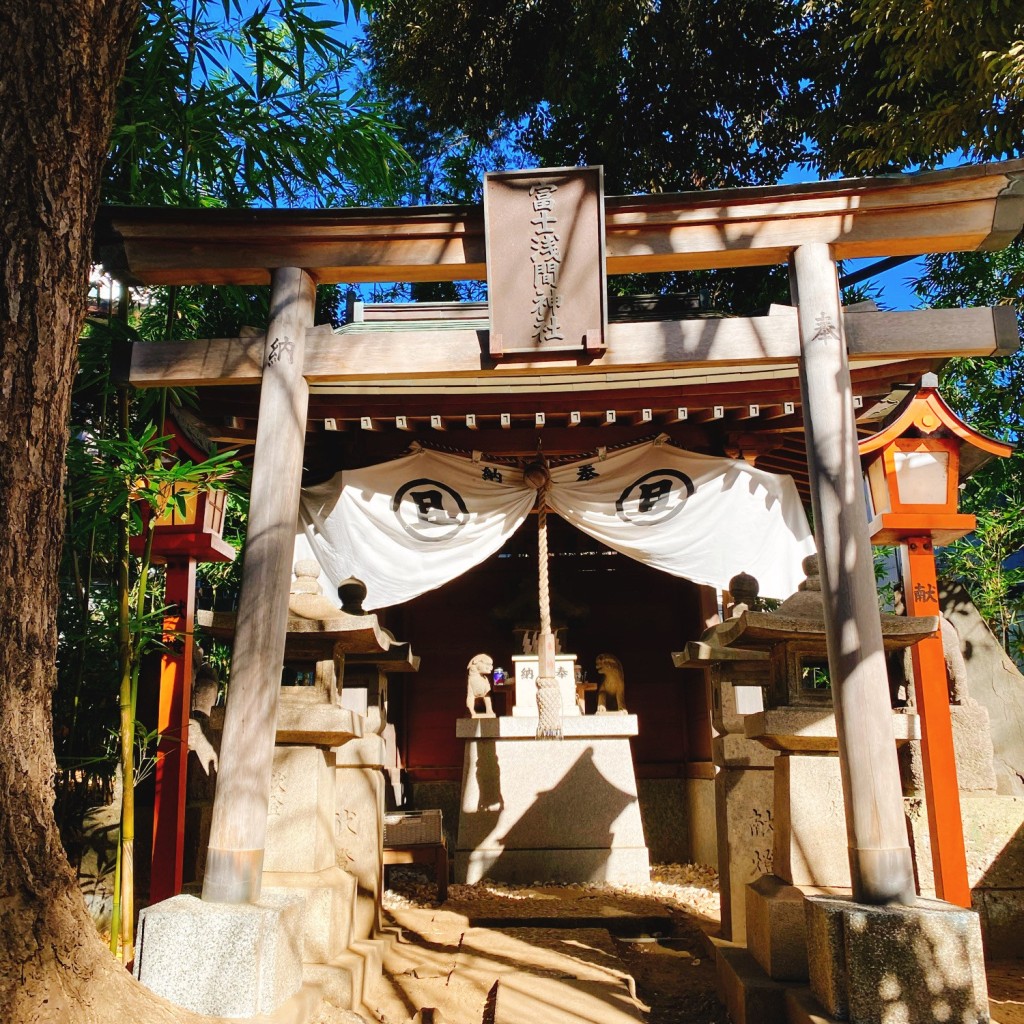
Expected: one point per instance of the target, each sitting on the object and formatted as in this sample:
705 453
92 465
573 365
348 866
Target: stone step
750 996
301 1008
373 952
340 981
803 1008
556 907
350 979
622 926
536 981
329 913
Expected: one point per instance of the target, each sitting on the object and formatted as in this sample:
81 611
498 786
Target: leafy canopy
227 103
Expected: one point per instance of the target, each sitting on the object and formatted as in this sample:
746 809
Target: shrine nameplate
545 261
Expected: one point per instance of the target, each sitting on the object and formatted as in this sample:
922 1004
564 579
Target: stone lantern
779 797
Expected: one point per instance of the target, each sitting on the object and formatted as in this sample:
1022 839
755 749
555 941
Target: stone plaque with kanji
545 261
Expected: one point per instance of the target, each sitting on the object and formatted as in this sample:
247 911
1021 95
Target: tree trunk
60 61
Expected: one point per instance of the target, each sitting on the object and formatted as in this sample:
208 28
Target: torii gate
809 227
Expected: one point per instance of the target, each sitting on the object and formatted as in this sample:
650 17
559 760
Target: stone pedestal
527 669
745 802
744 797
220 959
300 822
915 965
550 810
810 822
359 837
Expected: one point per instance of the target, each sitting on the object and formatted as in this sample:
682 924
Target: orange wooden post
945 825
171 770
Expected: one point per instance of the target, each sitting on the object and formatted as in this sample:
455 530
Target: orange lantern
913 469
912 473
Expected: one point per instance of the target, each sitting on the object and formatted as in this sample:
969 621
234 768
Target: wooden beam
938 757
970 207
351 354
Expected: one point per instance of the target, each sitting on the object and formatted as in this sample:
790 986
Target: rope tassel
549 699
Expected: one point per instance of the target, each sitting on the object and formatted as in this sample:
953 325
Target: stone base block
623 866
972 745
776 931
541 810
803 1008
915 965
1002 921
750 996
327 918
702 824
221 959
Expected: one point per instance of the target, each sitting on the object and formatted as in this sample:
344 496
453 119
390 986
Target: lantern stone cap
925 413
315 638
397 658
813 730
770 628
699 654
800 617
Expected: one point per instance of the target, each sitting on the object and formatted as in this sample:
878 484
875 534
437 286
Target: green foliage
665 96
917 82
226 103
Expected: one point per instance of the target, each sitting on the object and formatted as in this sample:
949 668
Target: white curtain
411 525
695 516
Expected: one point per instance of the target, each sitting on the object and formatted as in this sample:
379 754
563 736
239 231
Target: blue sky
893 287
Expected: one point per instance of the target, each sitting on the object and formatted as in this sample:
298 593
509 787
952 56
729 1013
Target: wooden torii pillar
234 863
881 864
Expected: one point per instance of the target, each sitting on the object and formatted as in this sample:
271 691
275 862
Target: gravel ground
687 888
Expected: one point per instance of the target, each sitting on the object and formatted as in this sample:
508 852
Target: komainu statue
478 685
612 684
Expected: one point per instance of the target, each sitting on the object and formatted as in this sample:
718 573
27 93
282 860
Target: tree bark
60 61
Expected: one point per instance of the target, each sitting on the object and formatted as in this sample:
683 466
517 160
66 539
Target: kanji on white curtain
695 516
408 526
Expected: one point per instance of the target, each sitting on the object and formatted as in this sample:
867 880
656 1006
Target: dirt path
553 954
